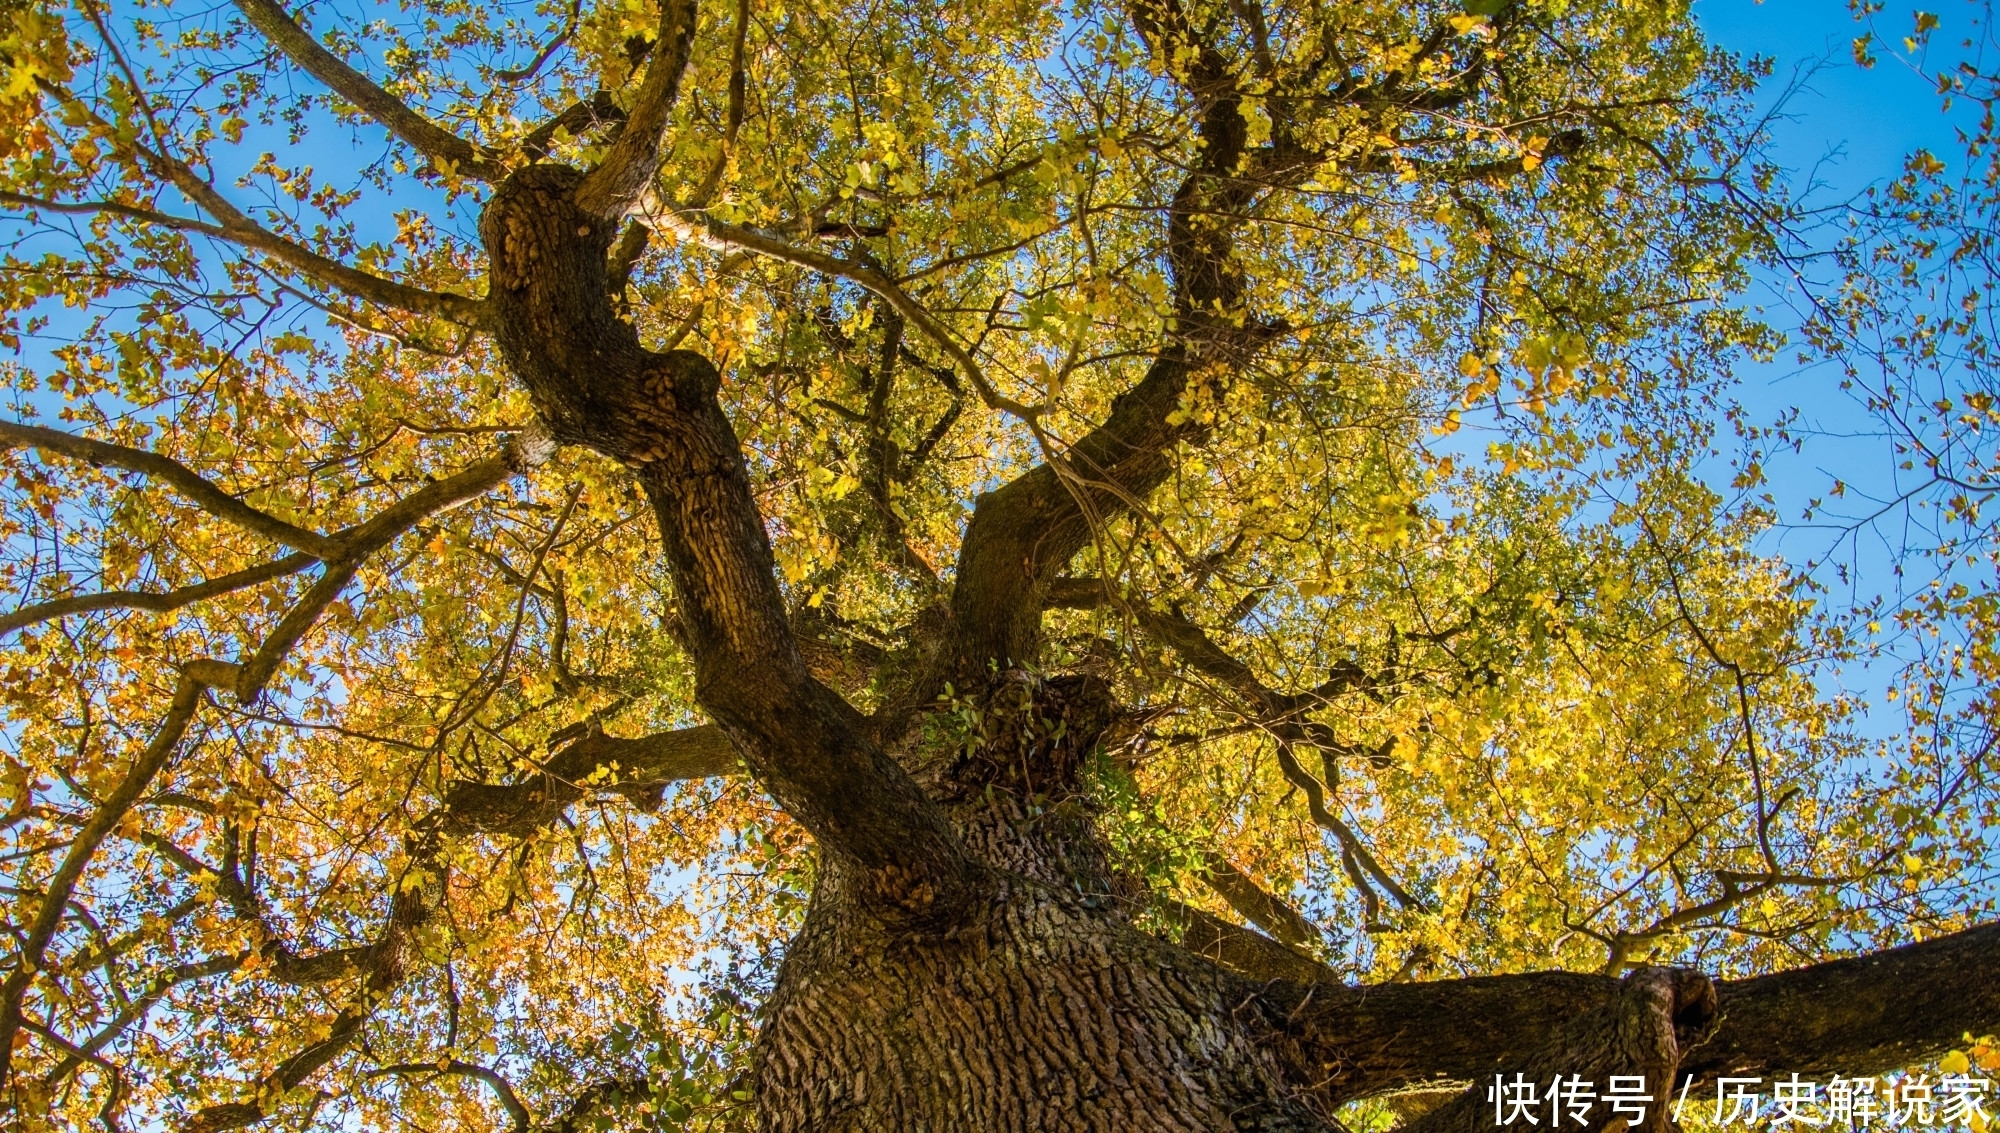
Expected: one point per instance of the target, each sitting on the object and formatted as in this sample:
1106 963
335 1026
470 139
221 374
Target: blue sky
1867 118
1842 129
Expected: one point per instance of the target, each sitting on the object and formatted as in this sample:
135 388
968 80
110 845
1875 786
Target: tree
852 567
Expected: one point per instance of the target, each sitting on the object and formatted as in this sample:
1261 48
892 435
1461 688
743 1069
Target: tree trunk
1044 1009
969 960
1040 1013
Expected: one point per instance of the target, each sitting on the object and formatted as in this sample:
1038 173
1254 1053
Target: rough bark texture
1865 1015
969 960
1038 1013
1043 1009
595 385
1639 1031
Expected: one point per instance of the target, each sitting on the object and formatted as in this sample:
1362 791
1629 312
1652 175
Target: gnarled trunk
1038 1013
1044 1008
969 961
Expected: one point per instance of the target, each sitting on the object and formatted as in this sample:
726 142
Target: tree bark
968 961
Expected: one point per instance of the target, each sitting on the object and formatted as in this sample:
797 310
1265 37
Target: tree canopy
502 502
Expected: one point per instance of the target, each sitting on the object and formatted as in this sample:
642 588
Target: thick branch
449 151
1023 533
1865 1015
1242 951
611 189
805 744
1857 1016
1639 1031
640 769
658 412
1257 906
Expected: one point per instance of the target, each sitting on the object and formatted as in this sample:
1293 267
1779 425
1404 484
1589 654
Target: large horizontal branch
446 149
1640 1031
1859 1016
639 768
1864 1015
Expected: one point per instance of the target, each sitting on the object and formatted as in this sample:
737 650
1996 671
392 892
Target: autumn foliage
372 751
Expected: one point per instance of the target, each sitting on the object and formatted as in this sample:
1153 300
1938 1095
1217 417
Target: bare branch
411 906
1278 713
580 116
141 1006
